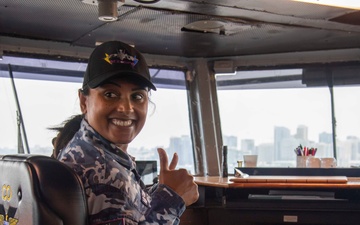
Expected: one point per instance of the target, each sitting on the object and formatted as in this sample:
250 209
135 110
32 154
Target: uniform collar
93 137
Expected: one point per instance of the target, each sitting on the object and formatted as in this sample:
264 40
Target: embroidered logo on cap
121 58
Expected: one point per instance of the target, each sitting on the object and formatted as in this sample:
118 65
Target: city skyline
268 155
166 119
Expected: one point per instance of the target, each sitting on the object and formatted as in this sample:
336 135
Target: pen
306 151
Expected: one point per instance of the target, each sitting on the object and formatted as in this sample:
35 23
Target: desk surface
216 181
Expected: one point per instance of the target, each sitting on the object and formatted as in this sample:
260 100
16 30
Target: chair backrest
39 190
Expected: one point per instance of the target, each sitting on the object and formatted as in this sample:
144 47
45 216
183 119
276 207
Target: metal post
330 80
22 139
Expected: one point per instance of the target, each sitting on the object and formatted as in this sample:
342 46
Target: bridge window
271 112
47 94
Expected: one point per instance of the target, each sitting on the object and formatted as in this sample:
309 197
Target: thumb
164 164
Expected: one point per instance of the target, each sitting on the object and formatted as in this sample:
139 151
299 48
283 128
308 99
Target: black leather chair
39 190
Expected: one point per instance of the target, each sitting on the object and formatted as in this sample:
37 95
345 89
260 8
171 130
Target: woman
114 102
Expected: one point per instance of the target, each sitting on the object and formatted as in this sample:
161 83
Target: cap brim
104 77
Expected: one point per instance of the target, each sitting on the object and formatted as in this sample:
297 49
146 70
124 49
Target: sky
46 103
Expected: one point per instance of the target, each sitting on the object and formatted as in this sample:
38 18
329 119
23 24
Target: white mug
328 162
250 160
313 162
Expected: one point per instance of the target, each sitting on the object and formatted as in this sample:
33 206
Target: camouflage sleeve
166 207
152 188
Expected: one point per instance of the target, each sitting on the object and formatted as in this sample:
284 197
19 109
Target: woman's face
117 110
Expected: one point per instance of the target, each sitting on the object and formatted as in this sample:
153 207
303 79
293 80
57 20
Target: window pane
347 113
262 116
167 126
43 104
46 100
8 130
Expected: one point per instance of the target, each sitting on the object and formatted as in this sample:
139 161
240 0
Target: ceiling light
206 26
216 27
147 1
351 4
224 67
107 9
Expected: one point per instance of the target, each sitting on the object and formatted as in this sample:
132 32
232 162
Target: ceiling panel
247 27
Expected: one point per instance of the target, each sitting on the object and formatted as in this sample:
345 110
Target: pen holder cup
301 161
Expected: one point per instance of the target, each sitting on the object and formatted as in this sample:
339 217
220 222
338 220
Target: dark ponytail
66 132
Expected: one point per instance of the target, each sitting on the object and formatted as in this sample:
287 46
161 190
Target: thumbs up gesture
179 180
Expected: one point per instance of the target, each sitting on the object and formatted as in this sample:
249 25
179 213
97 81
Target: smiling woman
117 110
114 103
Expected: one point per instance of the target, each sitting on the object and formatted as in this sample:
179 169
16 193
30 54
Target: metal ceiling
245 27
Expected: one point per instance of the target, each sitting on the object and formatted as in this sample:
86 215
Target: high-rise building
230 141
280 134
325 138
248 145
302 133
182 146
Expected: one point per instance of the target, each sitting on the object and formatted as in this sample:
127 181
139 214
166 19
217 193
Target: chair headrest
38 189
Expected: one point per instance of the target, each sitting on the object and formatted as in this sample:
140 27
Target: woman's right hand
179 180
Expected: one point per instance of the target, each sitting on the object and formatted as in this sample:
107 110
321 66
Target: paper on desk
291 179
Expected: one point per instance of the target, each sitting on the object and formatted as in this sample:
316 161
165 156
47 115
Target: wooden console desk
216 181
225 202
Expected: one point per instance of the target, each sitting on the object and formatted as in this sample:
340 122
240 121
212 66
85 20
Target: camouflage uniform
115 193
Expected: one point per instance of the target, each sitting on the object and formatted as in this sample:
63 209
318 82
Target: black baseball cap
116 59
